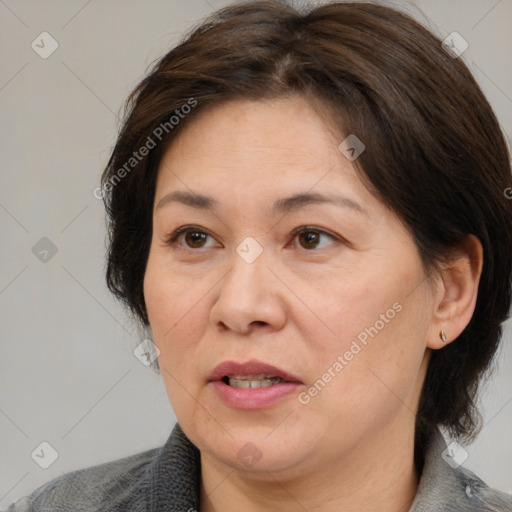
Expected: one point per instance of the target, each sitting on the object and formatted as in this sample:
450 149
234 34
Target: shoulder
117 485
447 486
478 495
149 480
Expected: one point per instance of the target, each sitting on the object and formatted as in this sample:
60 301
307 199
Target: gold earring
442 335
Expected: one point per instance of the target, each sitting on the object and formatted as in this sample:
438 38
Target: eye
194 237
309 236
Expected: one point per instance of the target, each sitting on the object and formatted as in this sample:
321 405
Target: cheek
168 302
369 366
173 312
345 309
157 297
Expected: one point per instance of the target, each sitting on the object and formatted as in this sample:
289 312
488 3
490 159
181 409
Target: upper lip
253 367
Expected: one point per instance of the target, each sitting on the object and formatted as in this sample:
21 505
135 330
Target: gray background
68 375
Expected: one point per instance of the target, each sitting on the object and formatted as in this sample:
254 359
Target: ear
456 295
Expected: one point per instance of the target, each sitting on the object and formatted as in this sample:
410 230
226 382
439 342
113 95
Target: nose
249 298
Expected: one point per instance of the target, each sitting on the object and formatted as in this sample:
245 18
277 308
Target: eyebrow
285 205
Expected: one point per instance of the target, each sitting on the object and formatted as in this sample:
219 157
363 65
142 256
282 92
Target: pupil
310 237
195 237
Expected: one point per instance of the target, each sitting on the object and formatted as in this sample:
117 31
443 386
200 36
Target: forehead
245 146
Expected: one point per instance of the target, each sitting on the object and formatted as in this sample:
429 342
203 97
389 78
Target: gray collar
446 486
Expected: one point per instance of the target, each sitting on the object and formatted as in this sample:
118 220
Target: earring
442 335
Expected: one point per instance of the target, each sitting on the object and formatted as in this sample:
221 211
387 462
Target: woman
310 213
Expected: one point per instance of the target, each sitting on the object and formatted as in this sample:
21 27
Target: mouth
251 381
251 375
252 385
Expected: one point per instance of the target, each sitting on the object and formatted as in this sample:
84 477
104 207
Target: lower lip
253 398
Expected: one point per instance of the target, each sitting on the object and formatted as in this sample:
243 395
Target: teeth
253 381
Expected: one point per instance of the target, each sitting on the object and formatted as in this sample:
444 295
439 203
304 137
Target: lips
253 385
251 369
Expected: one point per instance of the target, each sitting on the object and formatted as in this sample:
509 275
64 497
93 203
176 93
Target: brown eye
310 238
195 239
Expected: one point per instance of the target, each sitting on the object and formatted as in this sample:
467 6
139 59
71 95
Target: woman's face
341 311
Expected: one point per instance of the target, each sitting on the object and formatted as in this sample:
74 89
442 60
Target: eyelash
173 240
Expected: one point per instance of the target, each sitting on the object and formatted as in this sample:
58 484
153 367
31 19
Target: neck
377 474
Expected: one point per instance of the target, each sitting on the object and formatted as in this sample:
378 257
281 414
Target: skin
298 306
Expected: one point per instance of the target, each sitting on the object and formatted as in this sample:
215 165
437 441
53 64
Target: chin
258 449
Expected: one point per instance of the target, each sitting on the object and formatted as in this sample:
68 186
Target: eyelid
322 231
172 240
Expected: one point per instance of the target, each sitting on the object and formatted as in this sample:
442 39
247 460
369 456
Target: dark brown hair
434 154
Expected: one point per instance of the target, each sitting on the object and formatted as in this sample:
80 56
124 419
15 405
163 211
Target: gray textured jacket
167 479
